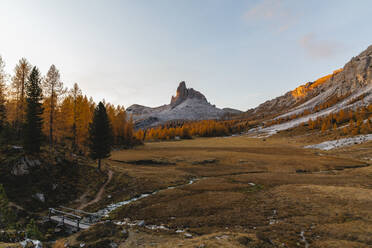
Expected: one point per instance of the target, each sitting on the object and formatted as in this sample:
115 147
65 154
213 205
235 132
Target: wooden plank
69 222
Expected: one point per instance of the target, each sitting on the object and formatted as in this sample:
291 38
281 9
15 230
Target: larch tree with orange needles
22 71
3 78
53 88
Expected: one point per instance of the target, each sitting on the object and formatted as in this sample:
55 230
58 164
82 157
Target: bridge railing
87 216
66 216
78 211
76 216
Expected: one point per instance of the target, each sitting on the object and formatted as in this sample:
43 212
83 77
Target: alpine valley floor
246 192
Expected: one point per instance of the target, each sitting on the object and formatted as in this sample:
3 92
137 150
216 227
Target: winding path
99 195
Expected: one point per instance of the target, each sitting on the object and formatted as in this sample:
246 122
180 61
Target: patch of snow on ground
35 243
323 97
293 123
328 145
303 239
311 103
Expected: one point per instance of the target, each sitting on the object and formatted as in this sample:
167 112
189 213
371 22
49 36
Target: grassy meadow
248 193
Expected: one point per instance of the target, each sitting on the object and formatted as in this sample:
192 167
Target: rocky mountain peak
188 104
183 93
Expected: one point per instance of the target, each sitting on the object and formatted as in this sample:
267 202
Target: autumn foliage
66 114
189 129
327 104
350 122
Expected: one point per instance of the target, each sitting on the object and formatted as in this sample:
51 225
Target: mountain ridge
187 104
339 90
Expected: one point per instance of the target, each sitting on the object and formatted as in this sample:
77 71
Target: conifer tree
33 124
3 204
3 78
75 93
32 230
53 88
2 110
186 133
6 215
100 135
22 71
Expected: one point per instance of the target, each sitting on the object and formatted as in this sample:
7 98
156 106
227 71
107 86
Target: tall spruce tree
100 135
33 124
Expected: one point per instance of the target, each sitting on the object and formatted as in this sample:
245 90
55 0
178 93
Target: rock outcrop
183 93
188 104
303 90
23 165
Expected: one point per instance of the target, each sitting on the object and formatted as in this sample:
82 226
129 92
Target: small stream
107 210
303 239
113 206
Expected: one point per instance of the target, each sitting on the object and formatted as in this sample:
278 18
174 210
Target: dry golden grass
60 244
9 245
253 193
215 240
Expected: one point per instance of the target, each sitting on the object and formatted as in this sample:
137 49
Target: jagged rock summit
188 104
183 93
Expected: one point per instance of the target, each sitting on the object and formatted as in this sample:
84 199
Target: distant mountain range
348 87
188 104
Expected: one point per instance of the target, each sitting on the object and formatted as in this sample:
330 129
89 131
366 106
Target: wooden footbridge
73 217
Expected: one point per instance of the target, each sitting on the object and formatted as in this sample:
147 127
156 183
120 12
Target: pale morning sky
238 53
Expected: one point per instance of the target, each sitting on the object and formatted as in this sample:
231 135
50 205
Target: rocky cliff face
303 90
188 104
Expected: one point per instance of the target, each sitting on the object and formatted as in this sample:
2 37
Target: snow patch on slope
332 144
188 104
335 108
323 97
190 109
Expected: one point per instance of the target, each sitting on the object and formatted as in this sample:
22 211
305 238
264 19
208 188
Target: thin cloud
272 12
319 49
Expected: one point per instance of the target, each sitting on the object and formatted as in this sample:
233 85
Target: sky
237 53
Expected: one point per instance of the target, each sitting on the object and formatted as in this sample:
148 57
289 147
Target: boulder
40 197
188 235
23 166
